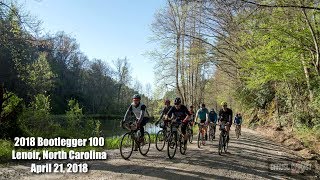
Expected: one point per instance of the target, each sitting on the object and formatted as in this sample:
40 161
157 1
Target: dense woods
262 57
46 75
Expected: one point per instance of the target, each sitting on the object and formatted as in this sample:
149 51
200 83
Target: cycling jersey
202 113
165 111
213 116
225 115
180 113
139 111
238 120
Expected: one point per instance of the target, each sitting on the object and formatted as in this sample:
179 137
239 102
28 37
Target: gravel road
250 157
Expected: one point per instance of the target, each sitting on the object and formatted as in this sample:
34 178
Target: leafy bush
35 120
6 148
78 126
12 106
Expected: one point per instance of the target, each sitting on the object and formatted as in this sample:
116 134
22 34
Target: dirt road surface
251 157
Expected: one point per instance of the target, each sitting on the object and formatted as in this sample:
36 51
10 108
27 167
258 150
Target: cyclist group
180 114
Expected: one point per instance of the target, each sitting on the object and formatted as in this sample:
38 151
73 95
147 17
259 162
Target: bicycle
132 138
223 143
237 130
212 130
162 136
201 135
175 138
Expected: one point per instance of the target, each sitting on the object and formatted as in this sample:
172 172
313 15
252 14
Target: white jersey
137 110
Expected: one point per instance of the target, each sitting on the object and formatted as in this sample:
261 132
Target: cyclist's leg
143 123
184 131
228 130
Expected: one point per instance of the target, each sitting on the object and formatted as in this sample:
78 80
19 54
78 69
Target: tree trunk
306 73
177 64
1 99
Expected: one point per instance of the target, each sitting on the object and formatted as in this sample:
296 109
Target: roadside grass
309 136
114 142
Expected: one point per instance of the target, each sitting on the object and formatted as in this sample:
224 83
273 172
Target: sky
105 29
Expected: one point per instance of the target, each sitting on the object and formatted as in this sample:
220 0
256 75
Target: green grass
308 136
114 142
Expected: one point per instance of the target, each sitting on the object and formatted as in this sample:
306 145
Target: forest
47 82
260 56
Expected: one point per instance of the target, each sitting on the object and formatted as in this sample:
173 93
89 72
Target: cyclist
164 113
225 117
238 121
213 121
182 115
202 114
139 110
191 111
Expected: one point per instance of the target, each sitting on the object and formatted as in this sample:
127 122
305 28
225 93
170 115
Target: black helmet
177 101
136 96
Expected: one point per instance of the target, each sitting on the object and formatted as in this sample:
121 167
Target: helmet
136 96
224 103
177 101
167 101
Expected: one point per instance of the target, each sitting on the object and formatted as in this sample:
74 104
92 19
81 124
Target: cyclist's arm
207 116
170 114
230 117
215 118
162 114
143 110
196 118
188 114
127 113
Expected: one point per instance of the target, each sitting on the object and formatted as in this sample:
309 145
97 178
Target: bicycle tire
146 135
183 146
160 146
172 145
122 148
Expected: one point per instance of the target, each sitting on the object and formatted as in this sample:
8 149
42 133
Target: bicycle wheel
190 132
172 145
225 145
126 145
221 139
199 140
160 140
183 146
145 146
